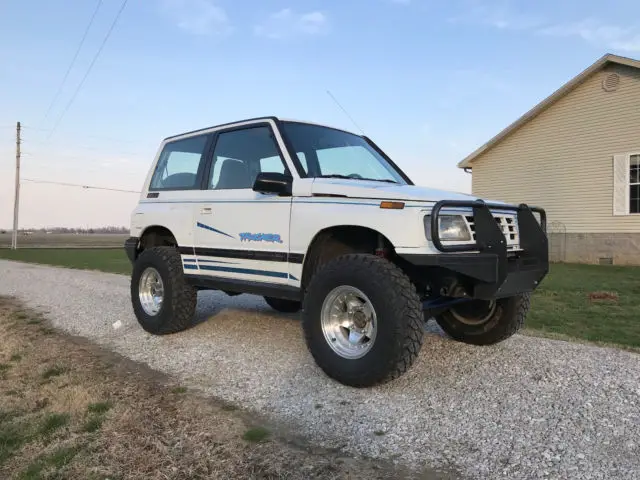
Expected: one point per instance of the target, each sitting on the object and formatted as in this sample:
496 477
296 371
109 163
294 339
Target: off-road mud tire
508 318
180 298
400 328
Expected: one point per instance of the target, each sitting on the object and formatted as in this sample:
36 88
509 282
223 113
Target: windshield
327 152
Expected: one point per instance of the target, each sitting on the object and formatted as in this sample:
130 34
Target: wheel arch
336 240
156 236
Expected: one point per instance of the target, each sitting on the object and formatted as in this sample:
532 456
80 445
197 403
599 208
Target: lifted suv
320 219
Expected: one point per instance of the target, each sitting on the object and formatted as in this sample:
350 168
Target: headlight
450 228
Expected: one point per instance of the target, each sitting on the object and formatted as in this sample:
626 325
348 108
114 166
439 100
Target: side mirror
272 182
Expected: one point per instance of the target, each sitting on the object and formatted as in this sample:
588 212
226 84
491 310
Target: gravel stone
526 408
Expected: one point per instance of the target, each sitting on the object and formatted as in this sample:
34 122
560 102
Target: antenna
345 112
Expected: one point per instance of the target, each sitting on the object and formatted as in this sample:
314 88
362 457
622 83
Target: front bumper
491 271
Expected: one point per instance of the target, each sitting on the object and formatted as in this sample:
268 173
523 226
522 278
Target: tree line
107 229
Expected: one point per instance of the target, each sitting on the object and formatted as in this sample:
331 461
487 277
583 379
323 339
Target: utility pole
16 202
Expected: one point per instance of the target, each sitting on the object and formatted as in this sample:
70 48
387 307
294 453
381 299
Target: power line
91 187
73 61
81 84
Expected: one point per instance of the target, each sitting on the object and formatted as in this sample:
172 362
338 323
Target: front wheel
162 300
481 322
362 320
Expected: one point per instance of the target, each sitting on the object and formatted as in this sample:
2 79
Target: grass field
65 240
562 304
561 307
106 260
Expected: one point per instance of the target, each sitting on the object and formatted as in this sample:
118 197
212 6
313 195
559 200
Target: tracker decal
260 237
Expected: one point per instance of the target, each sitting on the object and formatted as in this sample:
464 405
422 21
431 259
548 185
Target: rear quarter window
180 164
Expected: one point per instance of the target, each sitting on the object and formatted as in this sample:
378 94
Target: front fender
404 228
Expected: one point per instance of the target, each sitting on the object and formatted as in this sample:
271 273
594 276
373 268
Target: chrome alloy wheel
151 291
349 322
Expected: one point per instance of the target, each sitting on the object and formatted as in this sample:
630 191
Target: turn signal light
392 205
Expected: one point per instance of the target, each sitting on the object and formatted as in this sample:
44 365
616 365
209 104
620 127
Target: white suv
319 219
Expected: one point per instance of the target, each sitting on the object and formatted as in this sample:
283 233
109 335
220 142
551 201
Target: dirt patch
69 409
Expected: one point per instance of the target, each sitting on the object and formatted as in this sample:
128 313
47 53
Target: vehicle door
174 185
239 233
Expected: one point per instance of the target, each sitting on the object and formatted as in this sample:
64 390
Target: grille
509 228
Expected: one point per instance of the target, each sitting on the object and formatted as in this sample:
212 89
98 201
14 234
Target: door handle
206 211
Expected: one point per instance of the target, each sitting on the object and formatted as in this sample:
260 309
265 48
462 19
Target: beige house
576 154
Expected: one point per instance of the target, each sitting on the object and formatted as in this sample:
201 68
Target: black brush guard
492 270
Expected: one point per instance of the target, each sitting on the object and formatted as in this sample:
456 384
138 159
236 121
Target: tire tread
401 293
183 296
514 313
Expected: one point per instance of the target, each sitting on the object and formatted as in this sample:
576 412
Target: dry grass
71 410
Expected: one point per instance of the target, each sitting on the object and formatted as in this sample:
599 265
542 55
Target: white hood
384 191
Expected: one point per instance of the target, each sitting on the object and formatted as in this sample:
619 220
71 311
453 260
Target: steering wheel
354 175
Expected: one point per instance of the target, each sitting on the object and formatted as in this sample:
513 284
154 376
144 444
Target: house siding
562 160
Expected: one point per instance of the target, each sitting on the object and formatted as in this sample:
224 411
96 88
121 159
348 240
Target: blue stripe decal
429 203
192 260
218 201
368 204
247 271
207 227
264 201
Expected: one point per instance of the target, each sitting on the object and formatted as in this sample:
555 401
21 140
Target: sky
429 81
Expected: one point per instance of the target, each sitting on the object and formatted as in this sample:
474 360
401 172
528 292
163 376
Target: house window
634 183
626 183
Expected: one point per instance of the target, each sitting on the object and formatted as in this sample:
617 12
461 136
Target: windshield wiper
336 175
388 180
346 177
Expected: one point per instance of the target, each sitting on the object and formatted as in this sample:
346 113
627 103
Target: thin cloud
592 31
198 17
500 16
597 33
287 23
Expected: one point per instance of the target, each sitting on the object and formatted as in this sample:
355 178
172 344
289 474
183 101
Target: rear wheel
162 300
481 322
362 320
282 305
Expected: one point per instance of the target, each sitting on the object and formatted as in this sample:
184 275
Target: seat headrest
234 174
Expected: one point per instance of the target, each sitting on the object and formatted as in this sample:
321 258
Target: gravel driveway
527 408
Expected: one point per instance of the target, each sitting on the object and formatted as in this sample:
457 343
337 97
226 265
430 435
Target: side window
271 164
178 164
239 156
